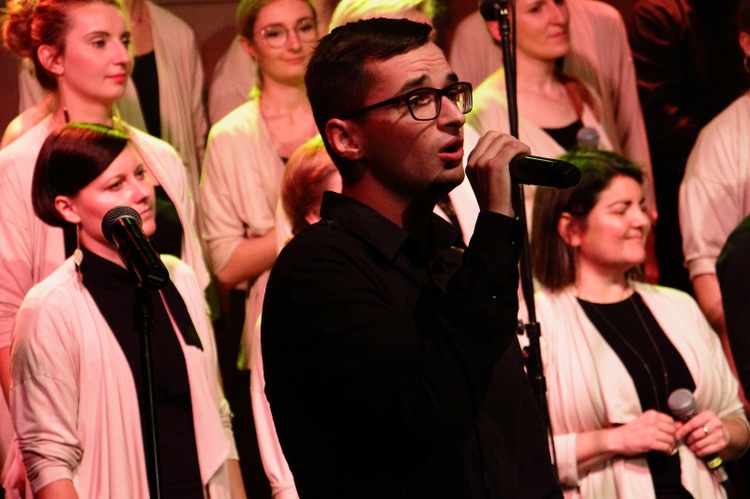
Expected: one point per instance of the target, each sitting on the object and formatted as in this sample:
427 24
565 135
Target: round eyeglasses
425 103
275 35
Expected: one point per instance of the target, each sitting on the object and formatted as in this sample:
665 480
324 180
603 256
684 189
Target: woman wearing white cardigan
77 373
87 76
614 349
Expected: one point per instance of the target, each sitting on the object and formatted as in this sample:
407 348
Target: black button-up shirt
393 370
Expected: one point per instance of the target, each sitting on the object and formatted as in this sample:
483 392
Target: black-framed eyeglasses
425 103
275 35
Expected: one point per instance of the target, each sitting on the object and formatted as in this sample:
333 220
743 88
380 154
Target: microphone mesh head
487 9
682 404
587 138
114 215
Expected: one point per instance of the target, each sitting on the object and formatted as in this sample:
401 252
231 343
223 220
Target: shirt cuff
700 266
496 232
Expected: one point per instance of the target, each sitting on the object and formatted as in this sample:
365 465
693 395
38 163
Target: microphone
682 405
488 9
122 226
546 172
587 139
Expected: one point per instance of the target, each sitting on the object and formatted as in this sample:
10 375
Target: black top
566 136
640 343
167 239
146 80
393 370
113 290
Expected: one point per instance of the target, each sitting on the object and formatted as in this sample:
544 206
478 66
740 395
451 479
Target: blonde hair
353 10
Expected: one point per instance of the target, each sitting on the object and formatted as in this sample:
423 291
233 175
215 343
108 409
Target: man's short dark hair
337 79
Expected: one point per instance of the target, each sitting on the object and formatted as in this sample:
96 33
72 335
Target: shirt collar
379 232
104 273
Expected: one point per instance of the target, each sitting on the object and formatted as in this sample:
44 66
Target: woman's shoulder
159 149
28 144
242 131
550 304
492 88
17 162
664 296
149 142
241 120
26 121
56 290
736 114
489 107
244 121
177 268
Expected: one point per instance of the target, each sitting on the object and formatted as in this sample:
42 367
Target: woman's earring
78 254
746 64
66 116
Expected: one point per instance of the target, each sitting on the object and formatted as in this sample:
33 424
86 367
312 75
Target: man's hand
488 172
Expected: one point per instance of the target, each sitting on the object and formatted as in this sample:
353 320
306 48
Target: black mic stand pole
534 367
143 318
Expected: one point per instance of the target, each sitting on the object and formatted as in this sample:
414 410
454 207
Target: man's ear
66 208
248 47
569 230
745 43
51 59
494 28
345 139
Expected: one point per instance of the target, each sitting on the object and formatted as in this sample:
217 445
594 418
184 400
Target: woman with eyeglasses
247 150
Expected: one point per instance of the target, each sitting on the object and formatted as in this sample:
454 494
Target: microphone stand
534 367
143 320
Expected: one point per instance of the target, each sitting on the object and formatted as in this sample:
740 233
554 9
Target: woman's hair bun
17 26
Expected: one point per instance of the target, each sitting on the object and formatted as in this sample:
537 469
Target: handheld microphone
587 139
122 226
488 9
682 404
546 172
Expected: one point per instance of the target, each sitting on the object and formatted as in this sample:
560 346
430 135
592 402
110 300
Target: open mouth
453 147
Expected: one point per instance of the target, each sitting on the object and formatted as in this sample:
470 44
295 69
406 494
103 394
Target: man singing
391 362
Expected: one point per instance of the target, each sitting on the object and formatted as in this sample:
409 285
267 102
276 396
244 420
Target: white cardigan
240 189
31 250
74 402
589 388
